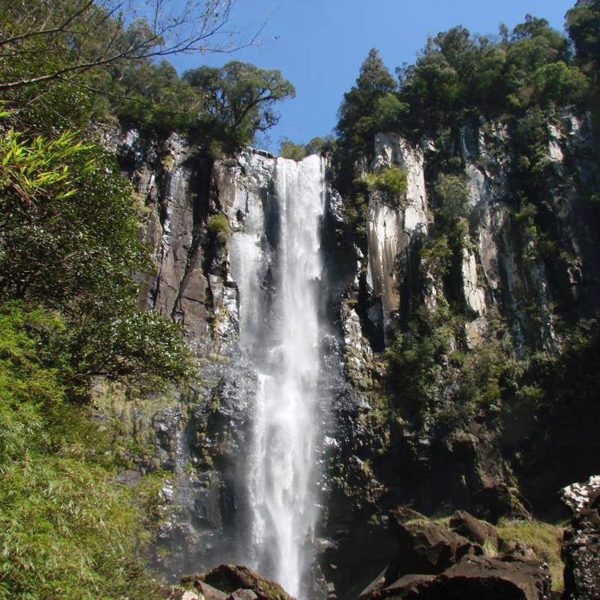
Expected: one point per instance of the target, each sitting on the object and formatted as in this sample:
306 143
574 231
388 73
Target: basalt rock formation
371 458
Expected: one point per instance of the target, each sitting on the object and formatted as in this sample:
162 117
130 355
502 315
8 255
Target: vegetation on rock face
510 153
391 181
218 227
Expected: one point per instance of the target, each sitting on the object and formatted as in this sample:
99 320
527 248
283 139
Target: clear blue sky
319 45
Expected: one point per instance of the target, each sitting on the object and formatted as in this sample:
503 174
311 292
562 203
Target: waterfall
276 262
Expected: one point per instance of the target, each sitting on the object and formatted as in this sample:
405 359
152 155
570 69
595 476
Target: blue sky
319 45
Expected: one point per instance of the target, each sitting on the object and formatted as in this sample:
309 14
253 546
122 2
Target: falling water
279 329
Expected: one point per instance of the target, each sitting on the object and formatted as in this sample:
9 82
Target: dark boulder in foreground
474 578
425 547
581 544
492 579
434 562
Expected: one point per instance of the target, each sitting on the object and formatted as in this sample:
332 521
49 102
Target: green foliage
436 381
452 198
49 190
566 385
369 107
318 145
291 150
68 530
321 145
450 233
437 255
218 227
545 539
458 74
154 98
417 363
388 180
30 170
71 241
237 101
355 214
63 64
111 336
583 25
358 117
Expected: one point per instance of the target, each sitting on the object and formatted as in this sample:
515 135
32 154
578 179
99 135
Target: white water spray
282 340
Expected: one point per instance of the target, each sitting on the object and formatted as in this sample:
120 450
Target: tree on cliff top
238 100
370 106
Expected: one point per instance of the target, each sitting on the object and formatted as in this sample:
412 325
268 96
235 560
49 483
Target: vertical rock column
581 544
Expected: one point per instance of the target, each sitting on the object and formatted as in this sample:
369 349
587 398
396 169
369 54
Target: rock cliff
531 270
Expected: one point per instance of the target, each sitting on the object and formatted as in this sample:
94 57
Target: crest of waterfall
276 262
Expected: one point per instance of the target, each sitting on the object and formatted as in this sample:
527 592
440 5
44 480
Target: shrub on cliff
391 181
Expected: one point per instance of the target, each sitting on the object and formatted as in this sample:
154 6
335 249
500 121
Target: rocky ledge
455 562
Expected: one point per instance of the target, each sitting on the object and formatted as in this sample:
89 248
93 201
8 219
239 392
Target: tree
583 25
291 150
65 38
152 97
238 100
360 116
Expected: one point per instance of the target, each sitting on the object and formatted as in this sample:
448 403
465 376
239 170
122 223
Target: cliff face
532 271
533 276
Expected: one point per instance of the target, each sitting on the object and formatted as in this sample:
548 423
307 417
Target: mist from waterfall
277 264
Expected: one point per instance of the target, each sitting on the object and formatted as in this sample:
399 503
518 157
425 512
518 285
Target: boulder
475 530
581 542
424 547
178 593
477 577
434 562
208 592
237 582
243 595
408 585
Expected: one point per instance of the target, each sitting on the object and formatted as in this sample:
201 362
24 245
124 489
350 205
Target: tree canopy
459 74
238 100
583 25
371 105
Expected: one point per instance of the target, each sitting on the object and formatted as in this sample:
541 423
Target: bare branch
43 31
155 29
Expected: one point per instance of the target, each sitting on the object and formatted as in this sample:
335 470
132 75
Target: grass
544 538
